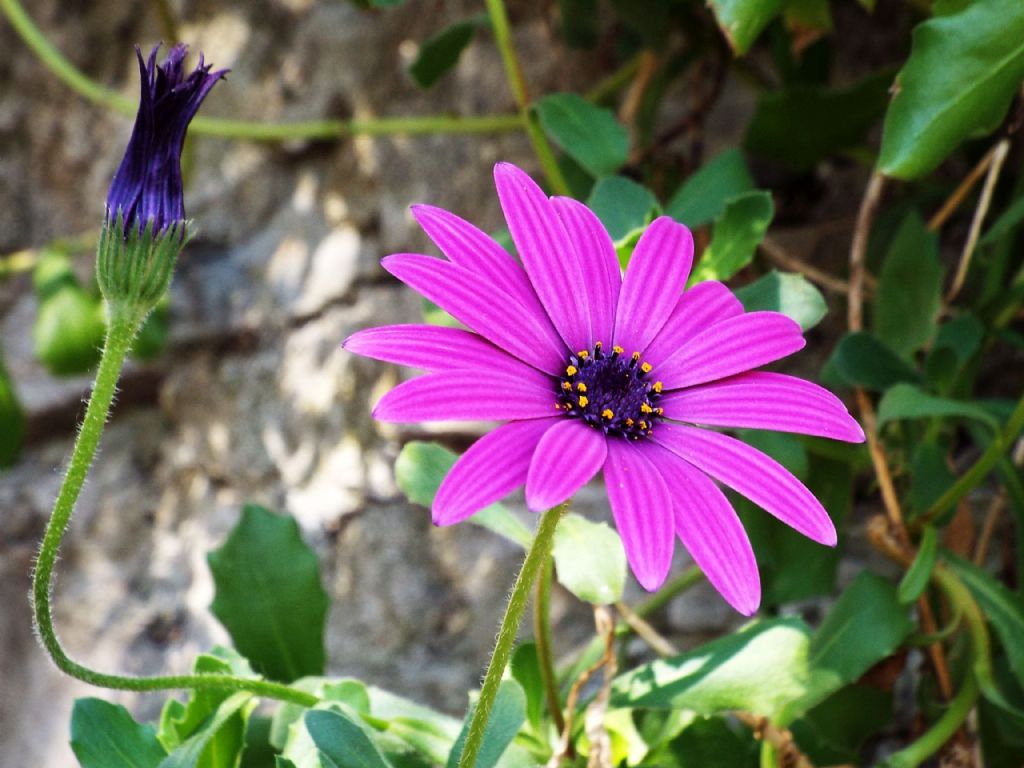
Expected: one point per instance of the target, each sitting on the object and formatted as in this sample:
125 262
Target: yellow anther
660 411
608 414
618 350
580 387
629 422
583 354
645 408
656 387
597 345
583 401
570 370
645 367
566 386
636 357
643 425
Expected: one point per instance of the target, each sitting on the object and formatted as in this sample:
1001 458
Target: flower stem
536 556
84 86
514 73
542 636
120 334
932 740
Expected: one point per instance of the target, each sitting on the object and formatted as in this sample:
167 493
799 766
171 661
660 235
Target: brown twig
780 738
779 256
963 189
995 509
635 94
645 631
859 249
593 721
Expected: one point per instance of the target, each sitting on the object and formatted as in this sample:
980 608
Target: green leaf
710 742
342 742
905 401
12 420
867 624
702 197
589 560
525 669
70 324
802 124
590 135
909 288
743 20
962 73
202 749
104 735
268 595
735 236
832 733
914 581
862 360
419 470
929 475
622 205
507 716
1006 224
258 751
789 293
439 53
757 669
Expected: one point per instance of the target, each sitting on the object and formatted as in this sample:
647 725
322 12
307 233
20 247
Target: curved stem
942 730
536 556
120 334
84 86
542 637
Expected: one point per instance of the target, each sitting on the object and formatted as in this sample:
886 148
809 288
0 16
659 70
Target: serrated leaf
909 288
622 205
743 20
915 580
790 293
419 470
439 53
757 669
905 401
342 742
104 735
196 752
702 197
269 597
962 73
735 236
862 360
590 135
589 560
12 420
507 716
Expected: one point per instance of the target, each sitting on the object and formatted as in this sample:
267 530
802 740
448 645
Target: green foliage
963 71
735 236
862 360
589 560
791 294
69 328
439 53
104 735
915 580
525 670
342 742
703 196
622 205
269 597
507 716
12 420
590 135
742 20
905 401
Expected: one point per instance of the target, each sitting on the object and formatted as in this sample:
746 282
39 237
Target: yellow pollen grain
657 386
597 345
636 357
581 387
643 425
583 354
618 350
645 408
629 422
645 367
608 414
660 411
583 401
570 370
566 386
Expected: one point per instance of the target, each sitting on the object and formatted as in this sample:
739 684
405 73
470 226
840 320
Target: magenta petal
431 347
642 508
493 467
543 243
598 261
753 474
482 306
712 533
699 307
655 277
469 247
732 346
567 457
464 396
765 401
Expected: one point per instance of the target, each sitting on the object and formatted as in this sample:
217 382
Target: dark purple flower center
611 392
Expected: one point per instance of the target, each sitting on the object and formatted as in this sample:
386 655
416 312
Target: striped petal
567 457
712 533
642 508
598 262
699 307
752 474
732 346
467 396
547 255
655 277
431 347
482 306
765 401
493 467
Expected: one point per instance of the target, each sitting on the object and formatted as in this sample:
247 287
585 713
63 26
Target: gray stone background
254 398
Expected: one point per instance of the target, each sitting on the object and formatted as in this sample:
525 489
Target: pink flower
592 370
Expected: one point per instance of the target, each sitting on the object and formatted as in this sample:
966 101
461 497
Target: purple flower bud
147 187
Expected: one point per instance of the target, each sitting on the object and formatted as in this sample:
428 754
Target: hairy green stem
545 655
120 334
541 147
537 555
84 86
